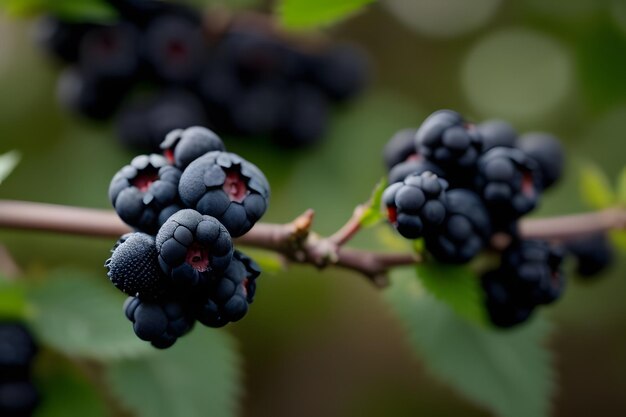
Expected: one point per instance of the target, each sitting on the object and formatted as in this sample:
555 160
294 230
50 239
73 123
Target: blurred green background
323 343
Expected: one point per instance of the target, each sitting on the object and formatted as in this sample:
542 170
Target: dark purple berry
496 133
548 152
593 254
400 148
183 146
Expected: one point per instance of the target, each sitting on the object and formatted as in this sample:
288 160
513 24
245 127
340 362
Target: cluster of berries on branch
456 184
160 67
180 265
18 395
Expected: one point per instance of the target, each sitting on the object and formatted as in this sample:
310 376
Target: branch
296 240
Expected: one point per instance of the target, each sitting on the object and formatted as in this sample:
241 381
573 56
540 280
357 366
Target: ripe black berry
413 166
227 187
159 323
258 109
17 350
341 72
400 148
61 38
18 398
548 152
465 230
182 147
145 192
447 140
416 204
304 117
193 248
496 133
593 254
134 267
509 182
504 307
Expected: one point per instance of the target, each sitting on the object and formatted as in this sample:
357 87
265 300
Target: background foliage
328 343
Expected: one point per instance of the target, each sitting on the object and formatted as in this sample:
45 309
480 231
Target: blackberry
174 49
416 204
548 152
183 146
193 248
145 192
504 308
509 182
400 148
413 166
256 57
304 118
17 350
60 38
18 398
496 133
341 72
593 254
145 122
134 267
465 230
230 295
257 111
227 187
446 139
161 324
220 90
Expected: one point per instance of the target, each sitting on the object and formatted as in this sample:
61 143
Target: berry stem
296 240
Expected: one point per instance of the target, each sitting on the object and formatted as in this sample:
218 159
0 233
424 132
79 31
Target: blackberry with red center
465 230
161 324
193 248
509 182
134 267
145 193
594 254
183 146
416 205
400 148
446 139
548 152
227 187
230 295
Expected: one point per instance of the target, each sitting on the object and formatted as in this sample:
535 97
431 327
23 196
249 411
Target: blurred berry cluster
160 67
457 185
186 206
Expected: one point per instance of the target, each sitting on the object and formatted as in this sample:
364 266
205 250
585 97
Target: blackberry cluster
180 265
156 69
455 184
18 394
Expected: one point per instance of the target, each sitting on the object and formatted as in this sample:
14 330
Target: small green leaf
372 214
509 372
621 187
197 377
596 188
83 10
12 300
312 13
77 315
457 286
8 162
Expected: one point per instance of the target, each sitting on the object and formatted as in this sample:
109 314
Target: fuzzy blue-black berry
193 248
134 267
183 146
17 350
446 139
227 187
416 204
400 148
413 166
465 230
159 323
548 152
18 398
496 133
143 123
509 182
230 295
145 192
593 254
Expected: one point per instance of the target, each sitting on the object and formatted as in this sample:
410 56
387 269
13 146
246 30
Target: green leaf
12 300
372 214
508 371
457 286
77 315
621 187
83 10
618 238
312 13
199 376
67 393
596 188
8 162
